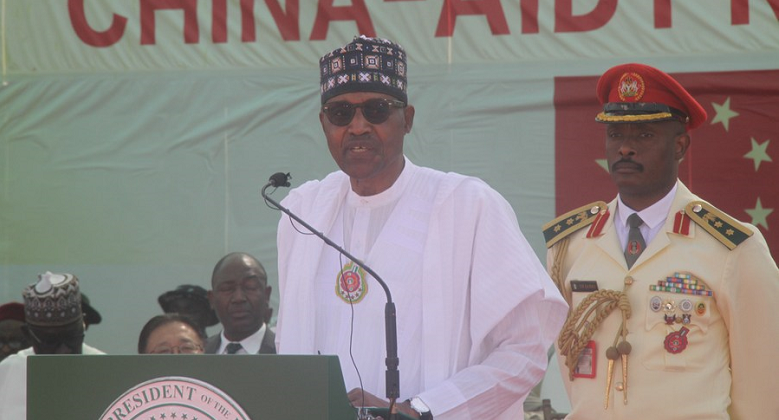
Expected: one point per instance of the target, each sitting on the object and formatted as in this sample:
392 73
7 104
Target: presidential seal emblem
350 283
174 397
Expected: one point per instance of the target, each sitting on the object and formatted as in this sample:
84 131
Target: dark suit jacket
268 345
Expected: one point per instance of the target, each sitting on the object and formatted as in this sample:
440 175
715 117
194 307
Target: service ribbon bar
681 290
677 285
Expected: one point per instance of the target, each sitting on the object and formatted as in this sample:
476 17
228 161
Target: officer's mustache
626 163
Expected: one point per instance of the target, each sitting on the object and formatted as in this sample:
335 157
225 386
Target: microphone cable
281 179
351 336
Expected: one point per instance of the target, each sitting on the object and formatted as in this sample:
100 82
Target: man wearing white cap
54 323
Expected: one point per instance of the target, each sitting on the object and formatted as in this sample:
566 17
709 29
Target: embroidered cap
54 300
364 65
637 93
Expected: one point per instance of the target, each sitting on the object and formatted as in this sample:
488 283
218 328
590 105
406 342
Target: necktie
636 242
233 348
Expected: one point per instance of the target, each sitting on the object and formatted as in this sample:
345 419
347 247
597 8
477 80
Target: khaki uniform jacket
729 367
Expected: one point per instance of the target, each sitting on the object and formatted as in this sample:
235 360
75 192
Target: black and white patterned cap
364 65
54 300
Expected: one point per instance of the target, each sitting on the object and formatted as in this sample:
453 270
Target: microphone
281 179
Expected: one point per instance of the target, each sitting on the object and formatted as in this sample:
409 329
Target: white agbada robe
13 382
369 226
476 309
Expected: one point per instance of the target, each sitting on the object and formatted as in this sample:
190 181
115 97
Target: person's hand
358 399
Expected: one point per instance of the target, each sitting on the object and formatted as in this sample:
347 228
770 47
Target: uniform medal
350 283
676 341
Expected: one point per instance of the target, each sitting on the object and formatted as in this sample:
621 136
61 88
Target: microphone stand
390 316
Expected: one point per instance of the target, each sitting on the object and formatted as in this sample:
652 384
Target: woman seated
171 333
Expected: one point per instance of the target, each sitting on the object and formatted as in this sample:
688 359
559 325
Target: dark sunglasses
375 111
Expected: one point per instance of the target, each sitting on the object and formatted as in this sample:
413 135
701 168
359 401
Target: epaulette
572 221
727 230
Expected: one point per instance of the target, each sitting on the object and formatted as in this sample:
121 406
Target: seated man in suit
240 295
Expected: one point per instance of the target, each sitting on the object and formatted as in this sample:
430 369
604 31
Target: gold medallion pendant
350 283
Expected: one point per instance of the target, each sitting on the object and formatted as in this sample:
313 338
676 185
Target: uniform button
620 387
629 280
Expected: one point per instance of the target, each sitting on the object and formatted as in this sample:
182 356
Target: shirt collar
387 196
251 343
653 215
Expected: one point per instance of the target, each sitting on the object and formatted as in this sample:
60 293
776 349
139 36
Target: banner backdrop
135 135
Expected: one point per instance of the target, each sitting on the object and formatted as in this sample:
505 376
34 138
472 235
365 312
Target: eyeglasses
375 111
186 348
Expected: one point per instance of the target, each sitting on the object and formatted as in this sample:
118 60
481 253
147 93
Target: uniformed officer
673 303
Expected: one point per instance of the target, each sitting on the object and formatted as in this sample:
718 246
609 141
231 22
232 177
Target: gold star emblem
557 228
729 232
718 224
569 222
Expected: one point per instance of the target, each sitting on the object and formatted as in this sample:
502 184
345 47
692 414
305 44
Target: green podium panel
186 387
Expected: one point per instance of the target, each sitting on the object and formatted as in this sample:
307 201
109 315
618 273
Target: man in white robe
54 323
476 311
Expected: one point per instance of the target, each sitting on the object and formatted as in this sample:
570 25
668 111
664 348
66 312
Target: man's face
371 154
644 158
12 339
240 297
66 339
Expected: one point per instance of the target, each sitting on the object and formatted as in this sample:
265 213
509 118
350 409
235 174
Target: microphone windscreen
279 179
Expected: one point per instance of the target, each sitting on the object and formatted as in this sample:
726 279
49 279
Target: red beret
12 310
632 93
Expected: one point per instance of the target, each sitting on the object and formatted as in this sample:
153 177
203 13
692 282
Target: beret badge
631 87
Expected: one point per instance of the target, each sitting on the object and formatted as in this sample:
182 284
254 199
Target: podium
186 387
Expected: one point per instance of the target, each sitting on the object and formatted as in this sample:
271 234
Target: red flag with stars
733 161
